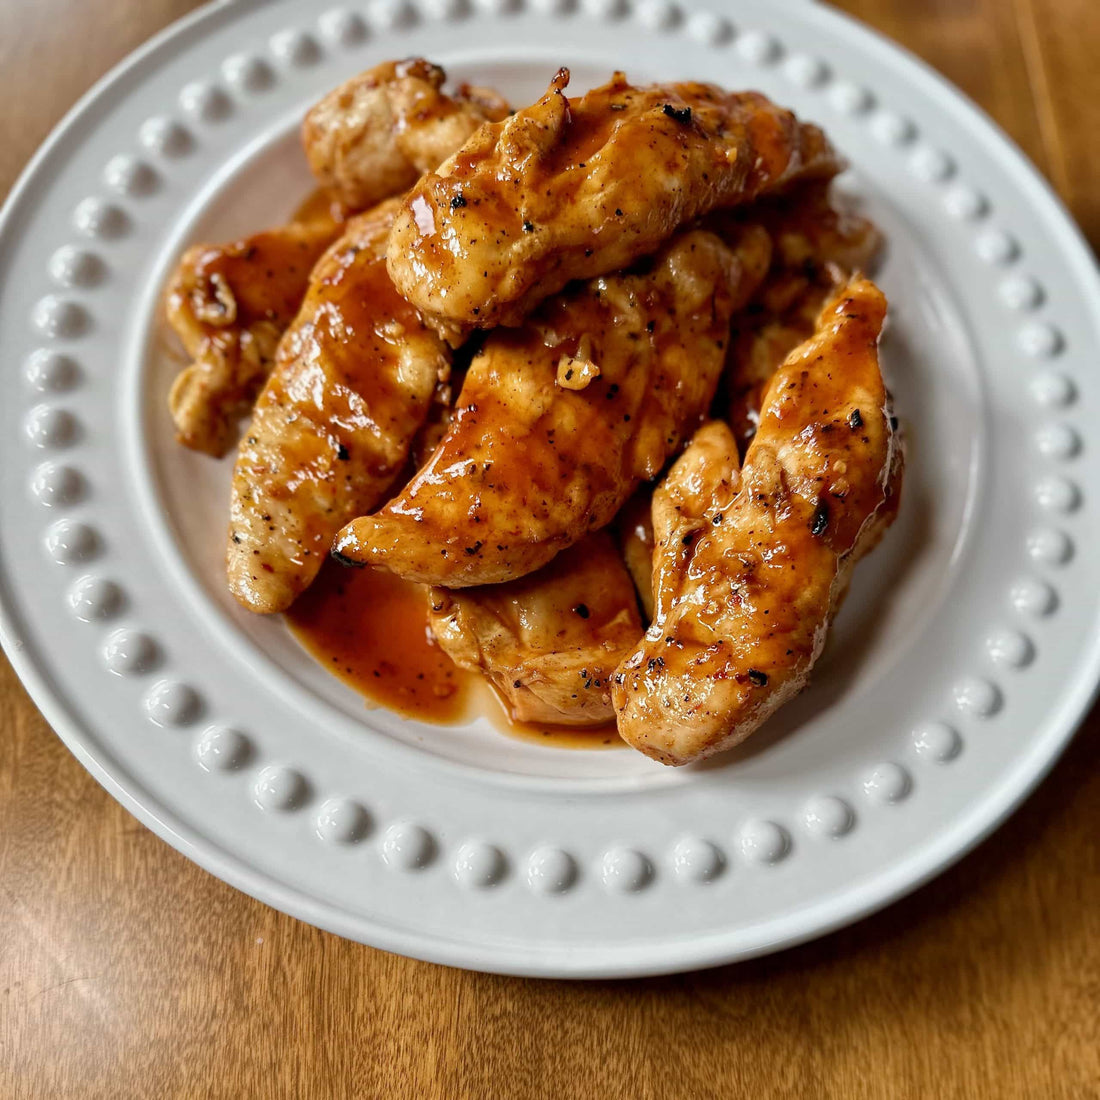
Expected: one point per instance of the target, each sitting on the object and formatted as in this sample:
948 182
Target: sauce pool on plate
369 628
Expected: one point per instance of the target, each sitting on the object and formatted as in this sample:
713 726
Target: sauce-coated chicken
530 463
571 189
549 641
374 135
352 384
229 304
818 247
744 602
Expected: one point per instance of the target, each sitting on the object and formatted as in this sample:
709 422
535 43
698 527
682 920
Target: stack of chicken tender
600 373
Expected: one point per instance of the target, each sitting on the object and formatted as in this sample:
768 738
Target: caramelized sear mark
574 188
527 467
352 385
743 605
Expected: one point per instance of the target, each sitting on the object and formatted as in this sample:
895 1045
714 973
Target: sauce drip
369 628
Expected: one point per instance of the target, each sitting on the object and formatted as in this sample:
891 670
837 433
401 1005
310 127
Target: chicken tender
743 604
818 247
352 384
548 642
530 464
374 135
229 304
571 189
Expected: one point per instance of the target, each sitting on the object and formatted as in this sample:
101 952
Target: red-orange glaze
369 628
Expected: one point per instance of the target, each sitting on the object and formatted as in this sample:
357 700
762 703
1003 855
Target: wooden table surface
126 971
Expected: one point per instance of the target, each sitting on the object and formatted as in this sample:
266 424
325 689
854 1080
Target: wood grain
125 971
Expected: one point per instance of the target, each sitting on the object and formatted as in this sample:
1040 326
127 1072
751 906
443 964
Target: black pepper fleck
343 559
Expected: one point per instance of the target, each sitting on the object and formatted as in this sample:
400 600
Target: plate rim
904 876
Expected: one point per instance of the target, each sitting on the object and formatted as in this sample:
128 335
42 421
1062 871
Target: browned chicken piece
374 135
352 383
745 600
547 642
811 229
708 469
570 189
530 463
229 304
634 527
818 246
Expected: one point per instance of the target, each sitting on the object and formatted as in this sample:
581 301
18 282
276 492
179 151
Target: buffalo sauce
369 628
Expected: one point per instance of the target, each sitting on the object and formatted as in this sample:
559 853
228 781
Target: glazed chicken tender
352 384
748 573
571 189
818 247
229 304
374 135
549 641
559 421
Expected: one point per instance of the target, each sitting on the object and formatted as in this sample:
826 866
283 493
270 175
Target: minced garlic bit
213 301
576 371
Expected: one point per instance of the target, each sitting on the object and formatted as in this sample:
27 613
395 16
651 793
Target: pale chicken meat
230 304
749 570
529 464
374 135
574 188
818 246
352 384
550 641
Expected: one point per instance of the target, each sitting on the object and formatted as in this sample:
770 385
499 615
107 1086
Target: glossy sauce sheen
331 430
527 467
370 629
399 666
572 189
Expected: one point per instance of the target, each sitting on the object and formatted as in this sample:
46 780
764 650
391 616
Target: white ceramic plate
964 656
